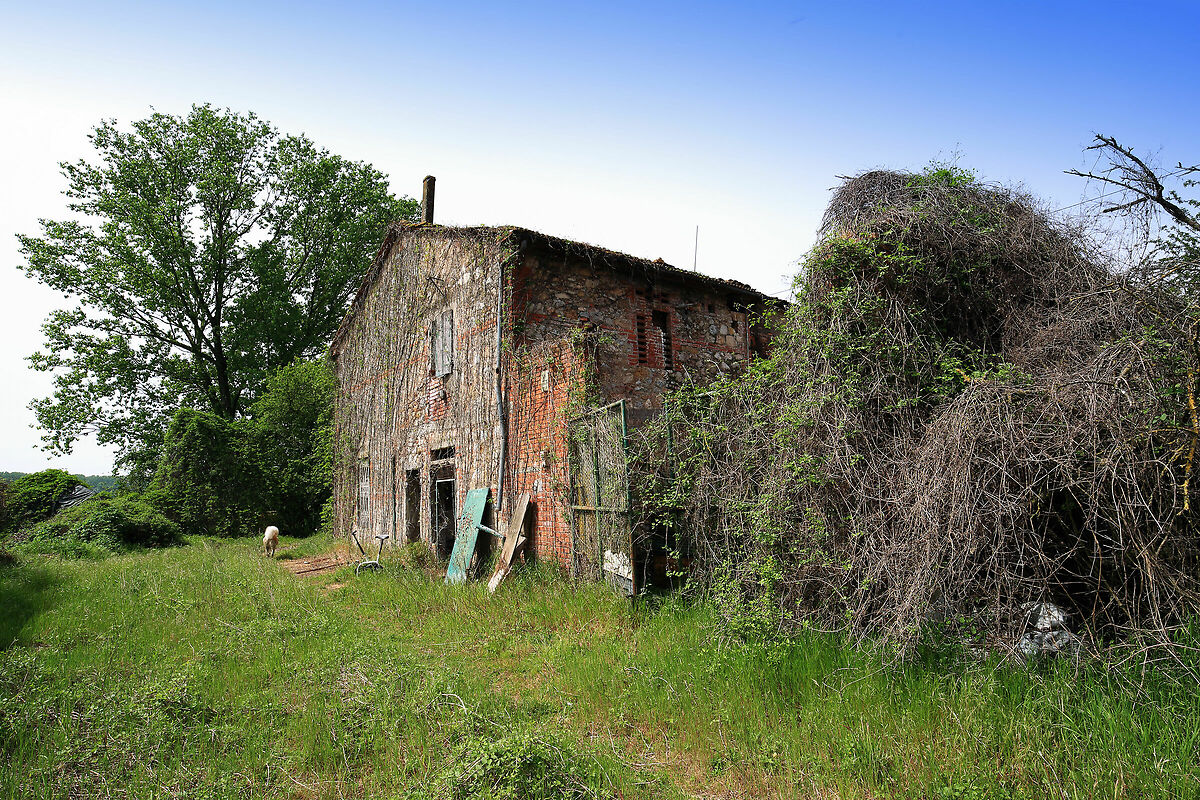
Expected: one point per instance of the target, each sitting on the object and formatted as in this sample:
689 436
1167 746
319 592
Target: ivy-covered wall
393 413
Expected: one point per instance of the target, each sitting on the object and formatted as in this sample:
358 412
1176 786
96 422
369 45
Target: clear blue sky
622 124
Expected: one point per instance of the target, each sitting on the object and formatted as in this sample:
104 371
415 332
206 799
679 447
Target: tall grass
208 671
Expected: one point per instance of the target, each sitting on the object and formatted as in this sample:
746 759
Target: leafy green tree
205 252
228 478
207 479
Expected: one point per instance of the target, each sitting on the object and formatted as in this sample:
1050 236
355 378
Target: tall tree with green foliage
272 467
205 252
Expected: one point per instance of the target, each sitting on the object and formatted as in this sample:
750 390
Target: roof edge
544 242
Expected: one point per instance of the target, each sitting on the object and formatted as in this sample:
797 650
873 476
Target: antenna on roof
696 249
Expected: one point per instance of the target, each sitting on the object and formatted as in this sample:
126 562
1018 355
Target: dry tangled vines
966 410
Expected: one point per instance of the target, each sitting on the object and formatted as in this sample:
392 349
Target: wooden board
469 521
513 538
502 571
516 527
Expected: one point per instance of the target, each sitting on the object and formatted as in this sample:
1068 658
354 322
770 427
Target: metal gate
601 540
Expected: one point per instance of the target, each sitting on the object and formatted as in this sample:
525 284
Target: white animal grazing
271 540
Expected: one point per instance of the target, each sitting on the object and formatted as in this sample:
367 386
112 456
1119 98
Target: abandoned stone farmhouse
503 359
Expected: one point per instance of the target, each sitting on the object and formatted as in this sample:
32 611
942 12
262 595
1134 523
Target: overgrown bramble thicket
32 498
966 409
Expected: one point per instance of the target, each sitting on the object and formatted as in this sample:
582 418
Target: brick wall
647 337
647 332
540 396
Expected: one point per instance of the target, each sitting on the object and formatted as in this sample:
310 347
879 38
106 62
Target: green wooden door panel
468 531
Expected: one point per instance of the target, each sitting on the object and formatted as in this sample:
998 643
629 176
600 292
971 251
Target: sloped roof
600 256
612 258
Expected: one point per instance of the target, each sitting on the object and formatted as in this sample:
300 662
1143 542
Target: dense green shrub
207 480
292 434
101 526
272 468
30 499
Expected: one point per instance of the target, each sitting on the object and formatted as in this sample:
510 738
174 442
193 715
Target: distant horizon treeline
101 483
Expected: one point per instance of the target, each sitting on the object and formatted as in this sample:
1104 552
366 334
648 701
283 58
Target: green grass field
209 671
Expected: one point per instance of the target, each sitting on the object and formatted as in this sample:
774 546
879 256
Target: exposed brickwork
707 331
647 329
541 398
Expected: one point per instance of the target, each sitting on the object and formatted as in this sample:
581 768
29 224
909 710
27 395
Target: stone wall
651 332
627 335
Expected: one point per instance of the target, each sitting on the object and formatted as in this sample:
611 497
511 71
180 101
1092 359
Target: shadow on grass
25 592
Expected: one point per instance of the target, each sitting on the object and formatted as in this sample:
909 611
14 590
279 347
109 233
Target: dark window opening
441 453
661 320
643 349
759 345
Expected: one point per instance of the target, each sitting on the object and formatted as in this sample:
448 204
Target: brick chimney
427 199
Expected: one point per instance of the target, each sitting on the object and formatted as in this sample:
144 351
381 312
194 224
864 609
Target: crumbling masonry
468 351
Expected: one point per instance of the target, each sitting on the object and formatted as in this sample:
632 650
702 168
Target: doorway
412 505
444 508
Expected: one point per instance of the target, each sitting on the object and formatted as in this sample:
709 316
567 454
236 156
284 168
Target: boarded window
364 494
662 321
643 350
441 344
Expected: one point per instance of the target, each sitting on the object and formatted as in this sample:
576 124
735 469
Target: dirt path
316 566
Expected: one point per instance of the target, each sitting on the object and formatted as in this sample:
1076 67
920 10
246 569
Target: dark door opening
394 529
444 509
412 505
